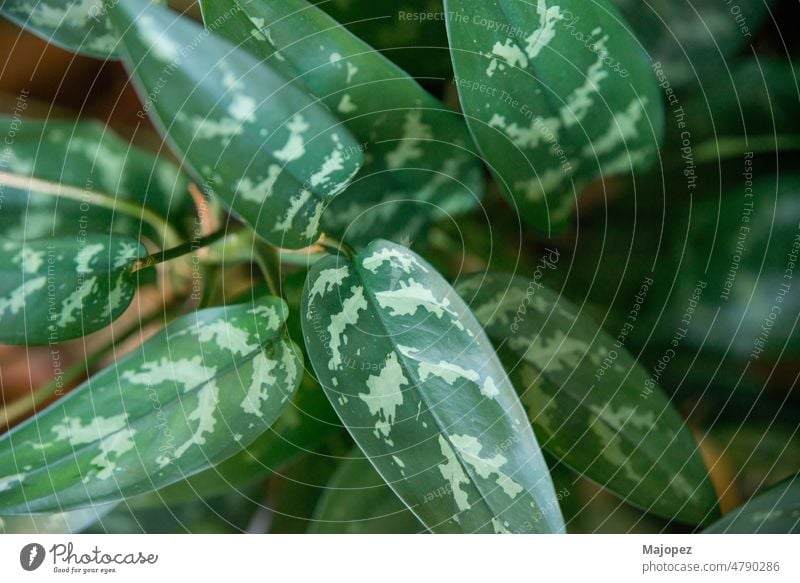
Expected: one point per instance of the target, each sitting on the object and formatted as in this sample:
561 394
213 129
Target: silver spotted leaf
415 380
89 156
58 289
78 26
556 93
358 501
418 164
773 511
190 397
305 424
591 404
264 145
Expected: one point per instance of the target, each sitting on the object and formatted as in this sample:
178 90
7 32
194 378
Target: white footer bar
389 559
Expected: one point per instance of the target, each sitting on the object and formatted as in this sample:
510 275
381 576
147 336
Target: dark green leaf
775 511
694 41
273 154
418 166
409 32
591 404
416 382
745 243
190 397
556 94
57 289
90 157
358 501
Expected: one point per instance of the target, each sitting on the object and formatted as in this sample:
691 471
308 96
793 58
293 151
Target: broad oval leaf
418 166
89 156
358 501
79 26
190 397
774 511
556 94
416 382
591 404
266 147
57 289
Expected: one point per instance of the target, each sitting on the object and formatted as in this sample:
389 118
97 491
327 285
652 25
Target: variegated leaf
418 168
57 289
416 382
774 511
79 26
556 93
265 146
305 423
190 397
89 156
591 404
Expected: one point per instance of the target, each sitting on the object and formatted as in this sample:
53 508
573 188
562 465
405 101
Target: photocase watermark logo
32 556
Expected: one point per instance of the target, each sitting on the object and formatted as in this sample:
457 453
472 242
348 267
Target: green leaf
190 397
418 165
694 42
273 154
726 121
774 511
409 32
306 423
91 157
71 522
80 26
358 501
416 382
591 404
556 94
745 240
57 289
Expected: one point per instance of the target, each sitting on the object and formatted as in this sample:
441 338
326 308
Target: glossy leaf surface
416 382
190 397
418 164
556 94
774 511
265 146
57 289
591 404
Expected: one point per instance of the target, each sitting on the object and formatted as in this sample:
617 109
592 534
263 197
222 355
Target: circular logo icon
31 556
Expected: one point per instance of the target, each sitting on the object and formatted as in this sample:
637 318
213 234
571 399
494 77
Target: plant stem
268 260
179 251
726 148
335 247
156 221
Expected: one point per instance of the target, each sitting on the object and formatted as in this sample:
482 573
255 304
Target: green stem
268 260
179 251
726 148
335 247
156 221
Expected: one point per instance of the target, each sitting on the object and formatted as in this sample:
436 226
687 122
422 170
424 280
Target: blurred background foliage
678 226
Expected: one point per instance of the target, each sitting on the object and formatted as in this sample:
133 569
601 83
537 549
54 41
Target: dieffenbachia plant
273 228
